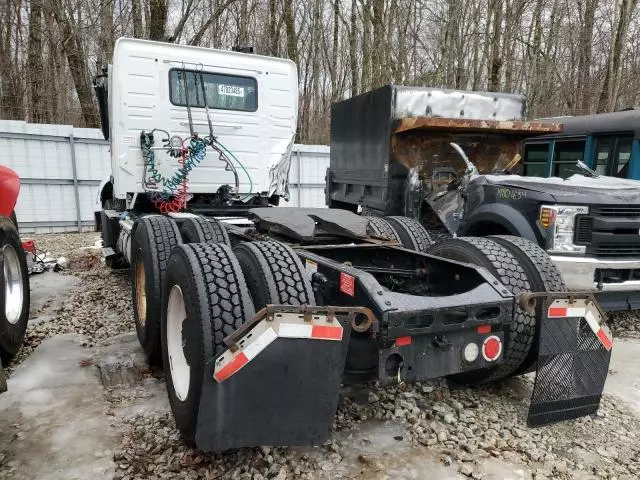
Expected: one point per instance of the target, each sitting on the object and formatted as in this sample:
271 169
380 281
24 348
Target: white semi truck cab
243 107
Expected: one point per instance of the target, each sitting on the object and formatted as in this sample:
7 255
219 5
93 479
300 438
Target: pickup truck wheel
153 239
490 254
203 230
543 275
274 274
412 234
380 227
14 293
204 299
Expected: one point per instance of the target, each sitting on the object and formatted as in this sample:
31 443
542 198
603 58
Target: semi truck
389 147
257 311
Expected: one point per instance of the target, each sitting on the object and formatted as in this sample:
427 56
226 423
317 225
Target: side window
565 157
612 155
535 159
603 152
224 92
621 160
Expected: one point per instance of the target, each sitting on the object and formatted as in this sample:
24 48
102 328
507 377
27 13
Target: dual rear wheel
207 291
520 266
408 232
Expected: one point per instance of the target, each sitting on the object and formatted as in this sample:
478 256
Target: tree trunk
353 48
136 14
609 93
495 61
334 57
243 24
587 10
379 65
365 80
290 26
37 111
274 35
76 59
158 19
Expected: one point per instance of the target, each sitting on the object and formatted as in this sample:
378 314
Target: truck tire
488 253
274 274
543 275
203 230
153 239
14 220
412 234
14 293
204 299
380 227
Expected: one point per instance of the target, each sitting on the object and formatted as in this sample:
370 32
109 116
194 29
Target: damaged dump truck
451 160
256 312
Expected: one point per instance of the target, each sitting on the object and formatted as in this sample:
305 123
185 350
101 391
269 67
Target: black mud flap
286 395
573 362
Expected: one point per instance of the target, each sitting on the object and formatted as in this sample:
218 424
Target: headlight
559 222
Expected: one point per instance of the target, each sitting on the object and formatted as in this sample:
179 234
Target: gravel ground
99 307
462 427
625 324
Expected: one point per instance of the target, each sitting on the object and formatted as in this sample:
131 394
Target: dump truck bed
377 137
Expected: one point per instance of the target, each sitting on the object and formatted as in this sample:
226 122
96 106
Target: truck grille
583 230
610 251
616 211
610 231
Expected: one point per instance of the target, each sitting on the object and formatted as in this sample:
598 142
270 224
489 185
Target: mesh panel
572 369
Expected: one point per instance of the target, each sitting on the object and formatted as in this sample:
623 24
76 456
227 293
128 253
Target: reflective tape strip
606 342
264 333
327 332
564 311
317 332
600 332
236 363
260 343
231 363
587 311
292 330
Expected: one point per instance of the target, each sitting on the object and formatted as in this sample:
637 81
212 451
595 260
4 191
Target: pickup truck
392 147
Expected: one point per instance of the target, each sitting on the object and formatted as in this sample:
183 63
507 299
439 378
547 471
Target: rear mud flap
286 395
573 362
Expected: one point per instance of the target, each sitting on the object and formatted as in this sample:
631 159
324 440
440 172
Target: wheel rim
176 316
13 287
141 290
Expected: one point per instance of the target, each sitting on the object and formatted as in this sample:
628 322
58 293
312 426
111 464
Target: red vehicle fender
9 189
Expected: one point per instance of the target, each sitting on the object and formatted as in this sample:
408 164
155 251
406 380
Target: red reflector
347 284
232 367
604 339
491 348
403 341
482 329
327 332
557 311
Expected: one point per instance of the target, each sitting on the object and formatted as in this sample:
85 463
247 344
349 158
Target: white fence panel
309 165
61 167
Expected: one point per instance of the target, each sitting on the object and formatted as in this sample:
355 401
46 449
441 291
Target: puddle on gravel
379 450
